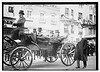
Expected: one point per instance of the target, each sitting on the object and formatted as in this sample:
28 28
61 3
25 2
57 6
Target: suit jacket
81 50
21 22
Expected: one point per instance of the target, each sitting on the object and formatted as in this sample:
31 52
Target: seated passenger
40 36
57 33
51 35
40 32
34 34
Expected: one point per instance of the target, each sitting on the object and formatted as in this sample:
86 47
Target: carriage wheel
67 54
21 58
6 53
52 59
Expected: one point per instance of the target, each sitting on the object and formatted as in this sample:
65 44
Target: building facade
44 16
85 14
49 17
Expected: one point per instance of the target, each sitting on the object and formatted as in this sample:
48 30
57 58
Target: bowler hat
21 12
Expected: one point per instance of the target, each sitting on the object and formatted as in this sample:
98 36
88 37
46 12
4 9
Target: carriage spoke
65 60
71 51
24 55
25 62
14 61
20 65
71 47
69 60
17 64
71 57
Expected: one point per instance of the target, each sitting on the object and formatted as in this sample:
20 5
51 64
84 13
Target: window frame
11 9
67 11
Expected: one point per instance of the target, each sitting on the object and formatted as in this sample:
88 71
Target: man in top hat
21 20
20 26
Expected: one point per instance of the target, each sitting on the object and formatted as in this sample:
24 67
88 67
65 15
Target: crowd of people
91 47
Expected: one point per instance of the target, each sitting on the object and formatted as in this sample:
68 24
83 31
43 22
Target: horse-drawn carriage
20 55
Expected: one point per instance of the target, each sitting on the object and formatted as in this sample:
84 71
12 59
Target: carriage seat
43 39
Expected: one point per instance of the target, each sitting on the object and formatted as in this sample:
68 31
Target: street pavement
40 65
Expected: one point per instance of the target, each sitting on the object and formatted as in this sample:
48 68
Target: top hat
34 29
51 32
21 12
40 28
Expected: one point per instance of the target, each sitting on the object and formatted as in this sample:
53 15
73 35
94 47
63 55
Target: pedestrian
92 48
16 33
81 53
88 46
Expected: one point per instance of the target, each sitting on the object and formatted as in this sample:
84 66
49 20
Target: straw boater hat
21 12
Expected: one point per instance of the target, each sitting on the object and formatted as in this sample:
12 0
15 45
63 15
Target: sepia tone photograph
49 36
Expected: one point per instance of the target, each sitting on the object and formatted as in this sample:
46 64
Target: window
41 14
29 14
79 16
65 30
90 31
72 29
72 12
53 22
95 19
90 7
67 11
90 16
53 15
53 19
94 31
10 9
52 5
81 5
42 19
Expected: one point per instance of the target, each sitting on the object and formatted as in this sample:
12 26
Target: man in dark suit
20 25
81 52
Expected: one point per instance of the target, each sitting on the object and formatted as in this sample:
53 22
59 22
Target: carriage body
49 48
